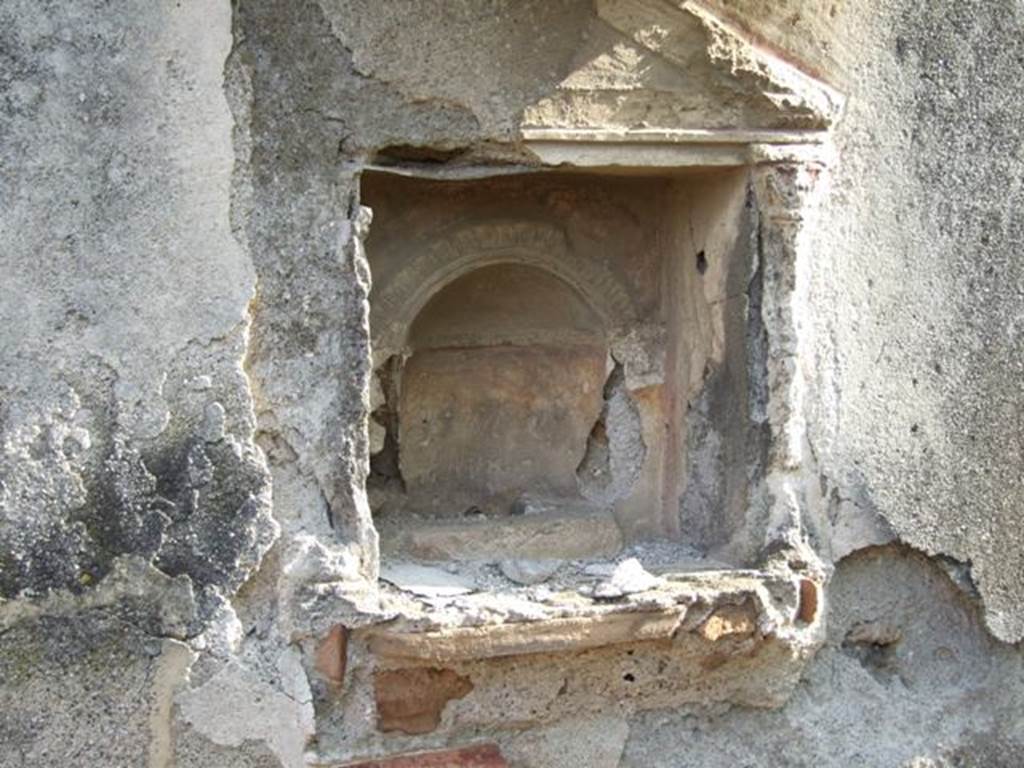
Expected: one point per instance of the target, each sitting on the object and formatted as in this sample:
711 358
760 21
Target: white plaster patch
426 581
224 632
628 578
236 706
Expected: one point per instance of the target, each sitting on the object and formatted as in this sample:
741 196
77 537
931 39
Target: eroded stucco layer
188 570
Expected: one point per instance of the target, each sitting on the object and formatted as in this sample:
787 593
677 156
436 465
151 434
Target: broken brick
332 656
808 607
412 700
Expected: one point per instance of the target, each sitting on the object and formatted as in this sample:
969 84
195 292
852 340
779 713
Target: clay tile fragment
808 607
332 656
412 700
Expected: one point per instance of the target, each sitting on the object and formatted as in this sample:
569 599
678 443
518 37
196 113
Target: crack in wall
385 480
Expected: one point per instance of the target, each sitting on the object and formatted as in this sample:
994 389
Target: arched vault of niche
446 258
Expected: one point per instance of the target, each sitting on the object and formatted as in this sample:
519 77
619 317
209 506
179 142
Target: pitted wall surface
185 367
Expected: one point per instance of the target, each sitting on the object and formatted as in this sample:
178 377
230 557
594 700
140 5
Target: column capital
788 191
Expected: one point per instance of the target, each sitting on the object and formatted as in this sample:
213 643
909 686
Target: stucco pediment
672 65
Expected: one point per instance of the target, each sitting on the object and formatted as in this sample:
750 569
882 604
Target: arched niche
501 387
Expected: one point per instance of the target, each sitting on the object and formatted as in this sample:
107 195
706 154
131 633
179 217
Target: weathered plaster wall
177 204
125 310
918 287
132 498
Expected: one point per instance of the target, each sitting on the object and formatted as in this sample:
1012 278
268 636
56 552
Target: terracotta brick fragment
412 700
808 608
478 756
332 656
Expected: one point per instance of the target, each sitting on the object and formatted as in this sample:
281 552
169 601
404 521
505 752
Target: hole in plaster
702 262
874 644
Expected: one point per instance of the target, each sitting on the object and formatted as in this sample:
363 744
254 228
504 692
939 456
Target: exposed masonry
601 265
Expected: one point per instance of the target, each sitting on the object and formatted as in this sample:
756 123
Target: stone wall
185 382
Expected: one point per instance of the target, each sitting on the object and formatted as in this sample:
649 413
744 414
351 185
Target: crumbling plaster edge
784 209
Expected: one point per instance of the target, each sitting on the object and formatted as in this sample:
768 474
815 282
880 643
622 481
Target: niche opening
535 340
